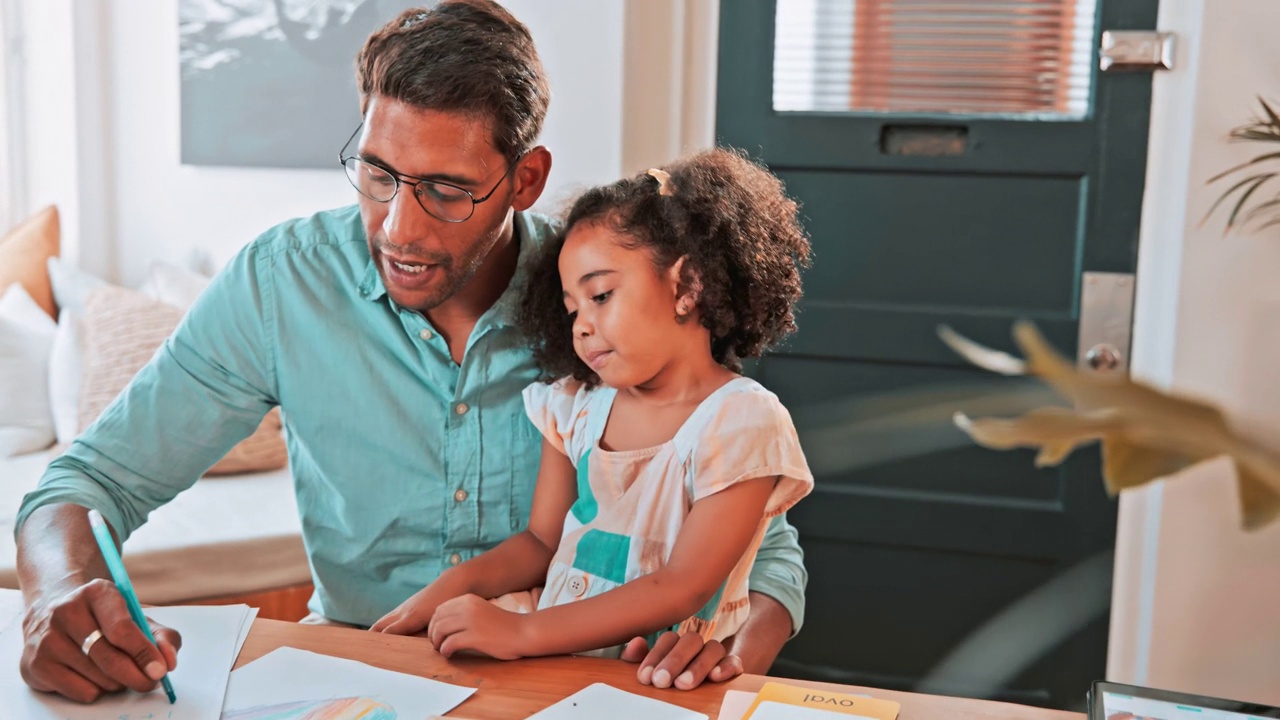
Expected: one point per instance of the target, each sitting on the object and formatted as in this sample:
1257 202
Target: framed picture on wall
271 83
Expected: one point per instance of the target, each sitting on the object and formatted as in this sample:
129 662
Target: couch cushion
122 331
23 253
238 535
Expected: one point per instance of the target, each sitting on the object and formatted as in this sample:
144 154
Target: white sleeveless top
631 505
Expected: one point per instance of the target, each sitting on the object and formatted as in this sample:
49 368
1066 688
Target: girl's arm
715 535
518 563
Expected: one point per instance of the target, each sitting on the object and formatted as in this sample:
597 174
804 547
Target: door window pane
1022 58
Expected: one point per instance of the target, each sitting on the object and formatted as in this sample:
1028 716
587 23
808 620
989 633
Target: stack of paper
286 684
211 640
290 684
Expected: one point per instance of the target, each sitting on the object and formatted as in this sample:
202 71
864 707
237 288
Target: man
384 333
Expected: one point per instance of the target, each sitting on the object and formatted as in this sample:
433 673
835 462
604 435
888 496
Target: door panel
915 539
946 241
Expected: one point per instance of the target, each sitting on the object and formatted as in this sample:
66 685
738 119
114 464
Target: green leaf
1258 209
1244 197
1251 179
1255 161
1275 120
1251 133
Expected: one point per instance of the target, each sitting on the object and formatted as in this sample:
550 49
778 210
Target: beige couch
228 536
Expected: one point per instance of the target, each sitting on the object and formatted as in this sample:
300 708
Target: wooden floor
288 604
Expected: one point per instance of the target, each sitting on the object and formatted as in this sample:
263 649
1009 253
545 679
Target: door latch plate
1135 50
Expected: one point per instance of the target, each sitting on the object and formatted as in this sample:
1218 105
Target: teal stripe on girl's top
585 507
603 554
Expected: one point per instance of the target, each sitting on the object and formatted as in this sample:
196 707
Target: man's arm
779 573
206 388
777 584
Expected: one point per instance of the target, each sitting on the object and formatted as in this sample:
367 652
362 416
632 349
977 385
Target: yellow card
776 700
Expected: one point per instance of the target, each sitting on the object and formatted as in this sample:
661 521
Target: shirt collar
371 287
529 230
531 238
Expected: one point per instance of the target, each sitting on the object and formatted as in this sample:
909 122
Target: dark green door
949 174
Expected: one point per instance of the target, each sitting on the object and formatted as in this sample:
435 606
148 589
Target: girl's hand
471 623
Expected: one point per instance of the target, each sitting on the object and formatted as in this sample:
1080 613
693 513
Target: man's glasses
442 201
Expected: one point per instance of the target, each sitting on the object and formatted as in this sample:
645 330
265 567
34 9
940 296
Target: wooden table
520 688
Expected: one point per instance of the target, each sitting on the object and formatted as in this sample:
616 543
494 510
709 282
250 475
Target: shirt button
454 559
460 495
577 585
425 334
461 408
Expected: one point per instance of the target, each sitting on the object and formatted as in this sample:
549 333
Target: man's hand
682 662
686 662
55 633
472 624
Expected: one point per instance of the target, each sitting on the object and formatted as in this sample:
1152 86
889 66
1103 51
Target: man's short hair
468 56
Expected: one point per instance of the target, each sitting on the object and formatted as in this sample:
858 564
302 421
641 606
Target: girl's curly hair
733 222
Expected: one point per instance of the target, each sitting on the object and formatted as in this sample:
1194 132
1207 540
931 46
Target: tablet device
1114 701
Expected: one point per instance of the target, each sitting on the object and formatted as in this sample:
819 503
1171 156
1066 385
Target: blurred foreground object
1146 434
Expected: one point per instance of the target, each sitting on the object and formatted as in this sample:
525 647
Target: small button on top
460 495
577 585
454 559
425 334
461 408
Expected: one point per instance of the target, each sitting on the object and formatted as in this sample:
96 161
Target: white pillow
174 285
71 285
66 371
167 283
26 335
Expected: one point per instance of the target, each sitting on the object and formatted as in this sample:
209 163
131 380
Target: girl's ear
686 286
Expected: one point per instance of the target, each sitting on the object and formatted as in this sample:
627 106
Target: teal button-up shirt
403 461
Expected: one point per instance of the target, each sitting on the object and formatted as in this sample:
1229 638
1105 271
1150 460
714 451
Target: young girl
661 464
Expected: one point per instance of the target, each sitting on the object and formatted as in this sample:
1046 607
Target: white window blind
1028 58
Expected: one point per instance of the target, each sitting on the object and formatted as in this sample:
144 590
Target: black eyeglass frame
414 181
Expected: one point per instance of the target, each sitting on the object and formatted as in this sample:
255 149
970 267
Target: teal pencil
108 547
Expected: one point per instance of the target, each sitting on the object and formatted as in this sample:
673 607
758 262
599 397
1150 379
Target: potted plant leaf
1249 177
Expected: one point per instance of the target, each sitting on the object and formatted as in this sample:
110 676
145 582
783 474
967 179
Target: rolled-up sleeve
779 571
207 387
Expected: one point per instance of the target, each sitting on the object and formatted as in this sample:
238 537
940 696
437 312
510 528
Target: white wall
44 102
135 203
1197 600
10 56
670 62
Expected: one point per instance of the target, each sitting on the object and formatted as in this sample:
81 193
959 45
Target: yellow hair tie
664 181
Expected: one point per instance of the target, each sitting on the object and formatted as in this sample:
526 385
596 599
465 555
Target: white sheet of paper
209 636
10 607
246 624
735 704
288 682
605 701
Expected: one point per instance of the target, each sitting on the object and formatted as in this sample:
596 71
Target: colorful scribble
352 708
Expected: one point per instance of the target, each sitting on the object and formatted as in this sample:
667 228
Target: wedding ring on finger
87 645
